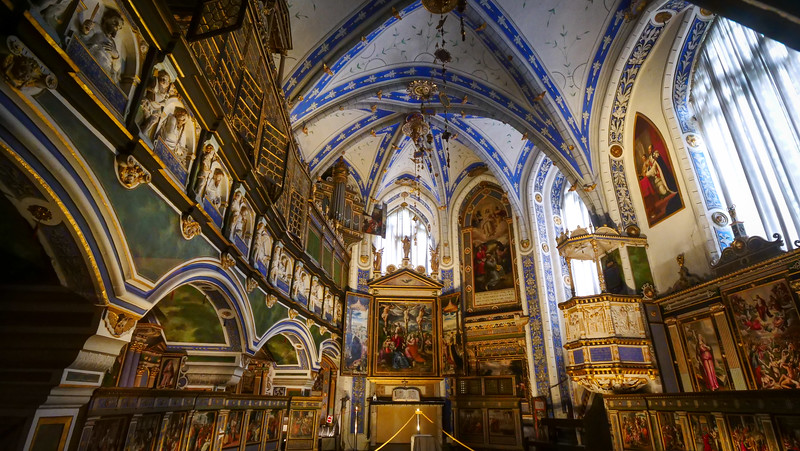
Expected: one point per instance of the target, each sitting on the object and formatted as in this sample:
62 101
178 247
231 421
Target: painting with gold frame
232 432
635 428
705 433
355 355
671 432
452 339
658 183
404 334
705 355
51 433
766 319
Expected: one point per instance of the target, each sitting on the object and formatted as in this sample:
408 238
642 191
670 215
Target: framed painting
51 433
635 430
201 431
491 252
746 432
144 435
452 341
705 433
232 433
471 424
272 424
168 374
672 438
355 356
502 427
769 327
789 431
108 433
255 427
657 177
704 355
173 432
302 424
405 343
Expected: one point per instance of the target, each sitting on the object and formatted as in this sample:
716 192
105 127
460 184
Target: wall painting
656 174
635 431
746 432
405 343
470 425
108 433
255 426
201 431
502 427
452 339
143 436
705 433
789 430
173 431
356 335
768 324
671 432
302 425
704 354
232 433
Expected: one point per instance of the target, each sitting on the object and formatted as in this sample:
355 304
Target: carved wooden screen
216 17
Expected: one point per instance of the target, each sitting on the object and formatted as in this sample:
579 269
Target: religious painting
144 435
470 425
502 427
108 433
405 334
704 355
635 431
501 367
302 424
356 335
201 431
280 274
255 425
656 174
168 374
272 424
672 437
212 183
241 221
262 247
640 266
452 339
705 433
300 285
489 270
316 295
375 223
232 432
768 324
789 432
746 432
51 433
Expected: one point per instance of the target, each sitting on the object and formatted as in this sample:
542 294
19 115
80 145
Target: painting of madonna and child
655 172
491 253
406 342
768 324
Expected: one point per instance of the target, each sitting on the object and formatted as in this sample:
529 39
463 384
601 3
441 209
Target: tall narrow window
747 104
584 272
400 223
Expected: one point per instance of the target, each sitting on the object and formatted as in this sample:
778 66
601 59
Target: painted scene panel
657 183
301 424
470 424
502 427
201 431
671 432
255 426
710 372
405 342
272 424
789 430
173 432
705 433
635 431
491 250
356 335
452 341
746 433
108 433
143 437
767 320
233 430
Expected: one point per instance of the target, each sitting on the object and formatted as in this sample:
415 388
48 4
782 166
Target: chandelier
440 6
422 90
416 128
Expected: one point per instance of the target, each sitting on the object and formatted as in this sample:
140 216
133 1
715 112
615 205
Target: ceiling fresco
522 82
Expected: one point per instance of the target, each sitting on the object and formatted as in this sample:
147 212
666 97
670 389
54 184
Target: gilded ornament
662 17
719 218
227 261
538 198
130 172
270 300
292 313
439 6
118 323
252 283
309 323
40 213
633 230
446 260
189 227
22 70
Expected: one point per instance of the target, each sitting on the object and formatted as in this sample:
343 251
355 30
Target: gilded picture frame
704 355
404 338
51 433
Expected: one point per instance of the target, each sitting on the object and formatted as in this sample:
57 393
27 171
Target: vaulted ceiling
521 82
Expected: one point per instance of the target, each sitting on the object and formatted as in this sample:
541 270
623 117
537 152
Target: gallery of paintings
261 225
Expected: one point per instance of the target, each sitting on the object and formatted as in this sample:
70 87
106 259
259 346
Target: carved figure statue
406 246
685 278
377 258
215 190
52 11
102 44
261 246
209 152
155 101
173 132
435 259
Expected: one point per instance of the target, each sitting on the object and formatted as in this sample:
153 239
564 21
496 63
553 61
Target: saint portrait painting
657 183
705 356
767 321
491 251
405 338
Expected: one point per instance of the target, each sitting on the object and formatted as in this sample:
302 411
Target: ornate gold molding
130 172
189 227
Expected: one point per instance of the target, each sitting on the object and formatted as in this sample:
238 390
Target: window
401 223
584 272
747 103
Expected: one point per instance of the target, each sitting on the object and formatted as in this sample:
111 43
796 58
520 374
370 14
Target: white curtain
584 272
401 223
747 104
